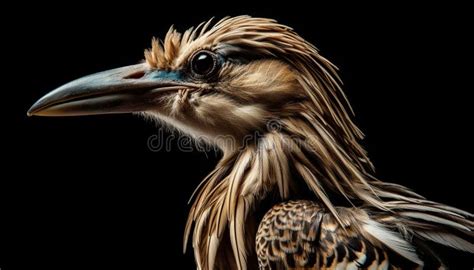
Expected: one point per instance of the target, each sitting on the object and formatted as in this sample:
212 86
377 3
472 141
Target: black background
87 193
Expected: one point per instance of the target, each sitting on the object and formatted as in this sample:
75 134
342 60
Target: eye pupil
203 63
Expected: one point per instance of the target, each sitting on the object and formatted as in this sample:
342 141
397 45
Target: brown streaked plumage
274 106
302 235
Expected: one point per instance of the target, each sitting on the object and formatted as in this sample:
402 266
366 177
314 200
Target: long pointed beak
122 90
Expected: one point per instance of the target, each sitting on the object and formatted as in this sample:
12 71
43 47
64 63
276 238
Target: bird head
225 80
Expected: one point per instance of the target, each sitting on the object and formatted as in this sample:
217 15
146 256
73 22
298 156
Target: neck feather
301 153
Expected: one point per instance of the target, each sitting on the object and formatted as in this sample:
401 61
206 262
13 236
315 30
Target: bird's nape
232 79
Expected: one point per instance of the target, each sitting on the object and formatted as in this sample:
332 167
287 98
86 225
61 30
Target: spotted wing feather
302 235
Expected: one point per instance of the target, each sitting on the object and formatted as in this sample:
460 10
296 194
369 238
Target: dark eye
204 63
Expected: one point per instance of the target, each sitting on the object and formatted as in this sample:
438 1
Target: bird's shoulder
302 235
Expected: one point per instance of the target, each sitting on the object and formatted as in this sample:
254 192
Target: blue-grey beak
122 90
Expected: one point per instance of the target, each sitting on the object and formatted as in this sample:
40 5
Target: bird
294 188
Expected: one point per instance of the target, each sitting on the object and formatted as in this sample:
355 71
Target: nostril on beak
135 75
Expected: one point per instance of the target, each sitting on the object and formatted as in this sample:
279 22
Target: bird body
275 108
